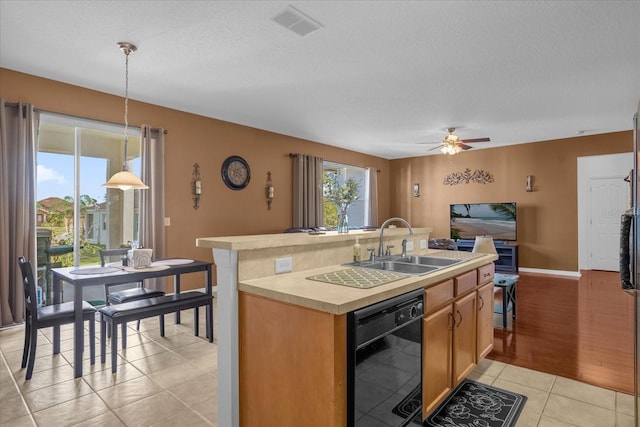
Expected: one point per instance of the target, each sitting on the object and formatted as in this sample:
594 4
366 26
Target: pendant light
126 180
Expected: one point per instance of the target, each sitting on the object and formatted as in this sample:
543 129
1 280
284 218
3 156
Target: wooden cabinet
485 320
437 333
457 332
449 338
464 337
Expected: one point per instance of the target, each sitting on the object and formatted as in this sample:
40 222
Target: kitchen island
282 337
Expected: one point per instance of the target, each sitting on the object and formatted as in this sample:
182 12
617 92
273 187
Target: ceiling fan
452 144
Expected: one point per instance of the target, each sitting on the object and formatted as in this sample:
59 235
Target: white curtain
152 200
18 147
307 191
372 209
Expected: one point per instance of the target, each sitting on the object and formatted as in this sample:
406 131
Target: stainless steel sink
415 265
402 267
429 260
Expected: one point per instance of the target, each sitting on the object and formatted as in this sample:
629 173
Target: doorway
603 196
76 215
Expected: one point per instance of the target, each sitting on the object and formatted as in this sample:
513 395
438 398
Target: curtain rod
292 155
16 104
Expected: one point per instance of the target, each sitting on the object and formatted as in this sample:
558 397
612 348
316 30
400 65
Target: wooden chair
48 316
127 295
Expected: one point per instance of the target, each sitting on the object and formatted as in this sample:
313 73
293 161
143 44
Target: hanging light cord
127 50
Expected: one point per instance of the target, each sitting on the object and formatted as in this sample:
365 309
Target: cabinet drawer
486 273
437 295
466 282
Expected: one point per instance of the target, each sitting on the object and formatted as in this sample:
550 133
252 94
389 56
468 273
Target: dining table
82 277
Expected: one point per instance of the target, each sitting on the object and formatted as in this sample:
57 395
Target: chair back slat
29 286
106 254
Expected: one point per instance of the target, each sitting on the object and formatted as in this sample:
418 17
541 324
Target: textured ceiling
379 77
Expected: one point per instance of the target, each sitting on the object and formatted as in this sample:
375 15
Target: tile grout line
144 374
546 400
165 388
15 384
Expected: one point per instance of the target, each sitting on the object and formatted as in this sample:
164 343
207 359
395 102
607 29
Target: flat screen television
497 220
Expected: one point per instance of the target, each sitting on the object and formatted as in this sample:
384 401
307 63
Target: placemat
95 270
175 261
150 268
358 277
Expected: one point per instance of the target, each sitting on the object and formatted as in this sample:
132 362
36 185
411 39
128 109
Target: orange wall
547 217
196 139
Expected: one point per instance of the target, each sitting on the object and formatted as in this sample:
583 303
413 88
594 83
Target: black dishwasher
384 362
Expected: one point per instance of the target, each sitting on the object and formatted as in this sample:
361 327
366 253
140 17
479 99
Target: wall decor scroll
478 176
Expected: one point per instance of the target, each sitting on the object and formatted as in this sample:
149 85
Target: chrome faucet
384 224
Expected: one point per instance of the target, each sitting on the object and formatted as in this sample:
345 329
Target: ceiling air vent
296 21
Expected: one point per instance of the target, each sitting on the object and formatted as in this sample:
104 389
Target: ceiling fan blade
464 146
435 148
476 140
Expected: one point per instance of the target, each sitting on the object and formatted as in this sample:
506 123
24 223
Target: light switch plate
423 244
167 221
283 265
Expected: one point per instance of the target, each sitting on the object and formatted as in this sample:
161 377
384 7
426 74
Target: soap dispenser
356 251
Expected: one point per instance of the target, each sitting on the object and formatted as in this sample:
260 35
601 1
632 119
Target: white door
608 199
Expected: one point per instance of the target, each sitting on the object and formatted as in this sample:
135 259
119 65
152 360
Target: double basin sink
412 264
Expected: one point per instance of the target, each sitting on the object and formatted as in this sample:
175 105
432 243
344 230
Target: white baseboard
575 274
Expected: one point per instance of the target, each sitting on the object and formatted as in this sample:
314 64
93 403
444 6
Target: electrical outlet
167 221
283 265
423 244
409 245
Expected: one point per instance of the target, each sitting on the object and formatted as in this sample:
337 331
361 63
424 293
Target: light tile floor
161 381
172 381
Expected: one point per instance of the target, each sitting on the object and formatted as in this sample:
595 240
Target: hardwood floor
576 328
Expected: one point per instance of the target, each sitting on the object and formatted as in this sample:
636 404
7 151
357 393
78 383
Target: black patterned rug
410 404
473 404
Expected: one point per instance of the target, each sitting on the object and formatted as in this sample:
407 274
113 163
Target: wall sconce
269 190
196 186
416 189
529 183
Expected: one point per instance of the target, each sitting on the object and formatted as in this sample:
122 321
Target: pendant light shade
126 180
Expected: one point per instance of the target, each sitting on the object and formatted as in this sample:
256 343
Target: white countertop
295 288
262 241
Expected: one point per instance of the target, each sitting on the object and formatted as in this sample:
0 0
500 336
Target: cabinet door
436 358
485 321
464 337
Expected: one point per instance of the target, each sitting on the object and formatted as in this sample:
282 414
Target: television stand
507 254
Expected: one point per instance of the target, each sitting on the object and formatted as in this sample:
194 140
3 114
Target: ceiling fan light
125 180
450 149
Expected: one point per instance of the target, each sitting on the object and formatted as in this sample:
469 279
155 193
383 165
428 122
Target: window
358 211
75 157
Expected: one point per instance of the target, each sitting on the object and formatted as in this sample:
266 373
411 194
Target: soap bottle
356 251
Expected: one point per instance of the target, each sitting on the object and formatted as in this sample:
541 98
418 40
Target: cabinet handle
459 321
482 301
452 321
